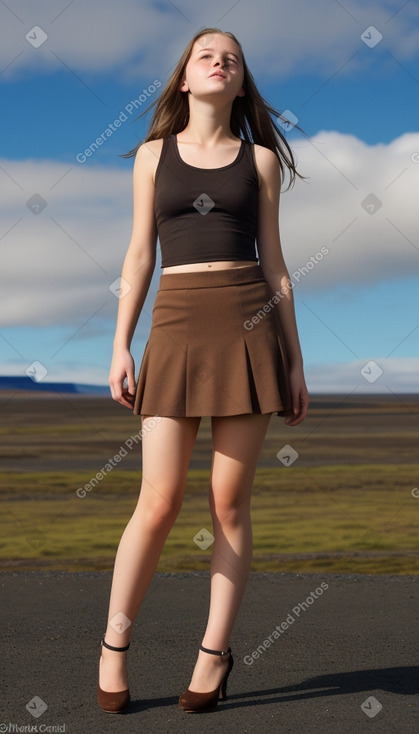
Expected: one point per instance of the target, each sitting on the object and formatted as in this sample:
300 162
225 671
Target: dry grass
345 505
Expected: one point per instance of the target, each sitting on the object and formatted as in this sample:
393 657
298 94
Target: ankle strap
111 647
214 652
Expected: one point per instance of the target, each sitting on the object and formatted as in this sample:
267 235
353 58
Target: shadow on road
403 680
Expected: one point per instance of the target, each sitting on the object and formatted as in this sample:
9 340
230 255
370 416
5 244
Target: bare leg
166 452
237 441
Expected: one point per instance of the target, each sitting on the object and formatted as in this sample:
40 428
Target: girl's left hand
300 398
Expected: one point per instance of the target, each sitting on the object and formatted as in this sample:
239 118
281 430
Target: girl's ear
184 86
241 93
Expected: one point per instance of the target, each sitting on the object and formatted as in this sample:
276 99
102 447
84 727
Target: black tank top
205 214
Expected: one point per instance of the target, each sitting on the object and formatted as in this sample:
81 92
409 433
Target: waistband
210 278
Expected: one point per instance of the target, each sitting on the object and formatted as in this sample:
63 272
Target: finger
294 420
118 394
131 382
295 411
290 419
126 401
128 396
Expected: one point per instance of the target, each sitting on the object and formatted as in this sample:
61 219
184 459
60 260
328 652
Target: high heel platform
194 702
113 703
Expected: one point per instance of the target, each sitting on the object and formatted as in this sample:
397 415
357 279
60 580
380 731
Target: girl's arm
137 272
276 274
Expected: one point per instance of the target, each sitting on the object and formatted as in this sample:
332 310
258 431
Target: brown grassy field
345 505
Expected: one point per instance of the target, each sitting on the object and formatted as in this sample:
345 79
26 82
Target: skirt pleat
208 353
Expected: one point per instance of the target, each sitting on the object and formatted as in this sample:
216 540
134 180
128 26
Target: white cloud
365 244
57 265
69 371
399 375
146 39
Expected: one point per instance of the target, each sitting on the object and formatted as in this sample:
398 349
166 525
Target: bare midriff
215 265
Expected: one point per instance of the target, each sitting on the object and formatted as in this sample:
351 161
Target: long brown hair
250 115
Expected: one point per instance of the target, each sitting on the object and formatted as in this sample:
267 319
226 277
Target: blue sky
358 105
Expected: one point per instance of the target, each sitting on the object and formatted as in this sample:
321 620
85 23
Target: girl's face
215 67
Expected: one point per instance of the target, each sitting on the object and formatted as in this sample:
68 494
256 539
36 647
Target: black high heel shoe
194 702
113 703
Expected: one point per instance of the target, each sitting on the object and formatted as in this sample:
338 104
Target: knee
157 513
230 512
159 517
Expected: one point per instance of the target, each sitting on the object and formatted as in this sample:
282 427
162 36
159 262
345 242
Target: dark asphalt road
343 663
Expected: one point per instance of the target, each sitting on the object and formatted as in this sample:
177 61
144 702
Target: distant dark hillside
26 383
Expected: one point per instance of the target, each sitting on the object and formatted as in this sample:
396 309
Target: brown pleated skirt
213 350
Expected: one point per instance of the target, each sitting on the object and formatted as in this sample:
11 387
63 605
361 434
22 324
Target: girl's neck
208 129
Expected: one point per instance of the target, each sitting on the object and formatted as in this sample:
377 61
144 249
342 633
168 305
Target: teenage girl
223 340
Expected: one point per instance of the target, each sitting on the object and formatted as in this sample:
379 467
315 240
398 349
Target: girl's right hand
122 367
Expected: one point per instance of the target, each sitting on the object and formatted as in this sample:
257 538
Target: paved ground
343 663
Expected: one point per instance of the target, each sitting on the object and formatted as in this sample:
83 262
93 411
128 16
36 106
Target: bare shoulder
267 163
148 155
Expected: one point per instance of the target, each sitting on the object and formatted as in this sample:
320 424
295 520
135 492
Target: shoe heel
113 703
194 702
